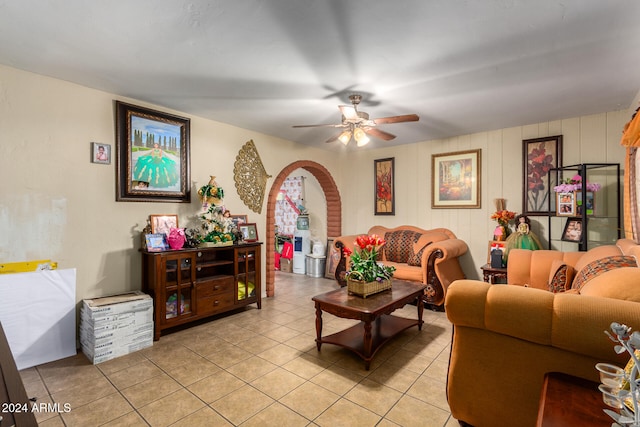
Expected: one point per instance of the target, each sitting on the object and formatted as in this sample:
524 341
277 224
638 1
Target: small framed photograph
100 153
572 230
566 204
239 220
156 242
249 232
493 245
162 224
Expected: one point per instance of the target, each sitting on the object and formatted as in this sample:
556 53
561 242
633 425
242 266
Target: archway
334 211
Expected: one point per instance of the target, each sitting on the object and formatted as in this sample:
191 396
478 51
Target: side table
490 274
570 401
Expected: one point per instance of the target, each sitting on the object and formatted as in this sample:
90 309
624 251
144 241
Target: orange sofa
506 337
426 256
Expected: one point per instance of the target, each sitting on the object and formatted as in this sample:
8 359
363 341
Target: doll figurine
523 238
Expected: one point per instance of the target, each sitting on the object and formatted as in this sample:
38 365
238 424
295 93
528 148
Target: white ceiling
462 65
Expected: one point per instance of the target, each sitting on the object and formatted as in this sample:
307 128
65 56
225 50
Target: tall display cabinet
591 218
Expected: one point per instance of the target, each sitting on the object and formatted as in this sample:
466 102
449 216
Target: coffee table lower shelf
354 338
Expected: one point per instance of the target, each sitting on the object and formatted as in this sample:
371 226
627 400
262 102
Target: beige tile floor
257 368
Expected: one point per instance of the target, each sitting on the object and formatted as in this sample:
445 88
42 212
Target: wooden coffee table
377 325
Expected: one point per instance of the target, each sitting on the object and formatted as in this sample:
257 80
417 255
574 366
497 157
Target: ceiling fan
358 124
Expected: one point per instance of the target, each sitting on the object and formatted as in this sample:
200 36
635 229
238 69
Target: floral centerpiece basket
366 276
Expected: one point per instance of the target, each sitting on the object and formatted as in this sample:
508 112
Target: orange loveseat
506 337
425 256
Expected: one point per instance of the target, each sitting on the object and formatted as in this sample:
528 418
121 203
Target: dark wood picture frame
539 156
384 186
153 155
249 232
572 230
455 179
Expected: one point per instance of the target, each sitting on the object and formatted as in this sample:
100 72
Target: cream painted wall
57 205
589 139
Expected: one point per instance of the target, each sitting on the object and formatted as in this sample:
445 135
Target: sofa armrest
441 267
341 243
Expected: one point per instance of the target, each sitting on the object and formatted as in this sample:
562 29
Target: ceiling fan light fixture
345 137
361 138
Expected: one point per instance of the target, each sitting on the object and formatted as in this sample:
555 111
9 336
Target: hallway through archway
334 211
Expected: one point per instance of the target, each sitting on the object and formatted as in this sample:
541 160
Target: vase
364 289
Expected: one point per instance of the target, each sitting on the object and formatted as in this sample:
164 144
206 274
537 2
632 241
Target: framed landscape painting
456 179
152 162
540 155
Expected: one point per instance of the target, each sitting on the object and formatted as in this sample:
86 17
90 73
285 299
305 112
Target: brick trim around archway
334 211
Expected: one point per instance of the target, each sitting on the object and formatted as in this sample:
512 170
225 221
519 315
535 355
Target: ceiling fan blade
320 126
397 119
333 138
349 112
379 133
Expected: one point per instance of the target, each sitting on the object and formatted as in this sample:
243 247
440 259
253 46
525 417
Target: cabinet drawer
215 303
215 287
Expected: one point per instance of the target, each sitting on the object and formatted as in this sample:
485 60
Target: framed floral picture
384 186
456 179
152 161
539 155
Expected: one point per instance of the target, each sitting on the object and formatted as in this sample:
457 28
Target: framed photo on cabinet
249 232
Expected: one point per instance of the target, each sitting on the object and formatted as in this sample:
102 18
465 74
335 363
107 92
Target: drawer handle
199 268
216 287
216 302
199 254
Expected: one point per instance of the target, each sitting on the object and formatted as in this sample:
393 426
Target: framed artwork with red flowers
384 186
540 155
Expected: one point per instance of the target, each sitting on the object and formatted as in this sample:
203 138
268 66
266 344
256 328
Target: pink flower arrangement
575 184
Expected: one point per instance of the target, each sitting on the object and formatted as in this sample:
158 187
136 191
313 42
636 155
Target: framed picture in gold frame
456 179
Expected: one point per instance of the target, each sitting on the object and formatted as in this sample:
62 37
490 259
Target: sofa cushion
595 254
561 276
415 259
399 245
599 266
621 283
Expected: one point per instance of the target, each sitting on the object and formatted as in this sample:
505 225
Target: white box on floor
116 325
299 262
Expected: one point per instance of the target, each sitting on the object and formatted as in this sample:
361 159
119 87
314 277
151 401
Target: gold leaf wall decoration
250 177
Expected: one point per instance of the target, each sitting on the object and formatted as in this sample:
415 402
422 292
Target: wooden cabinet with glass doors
192 284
